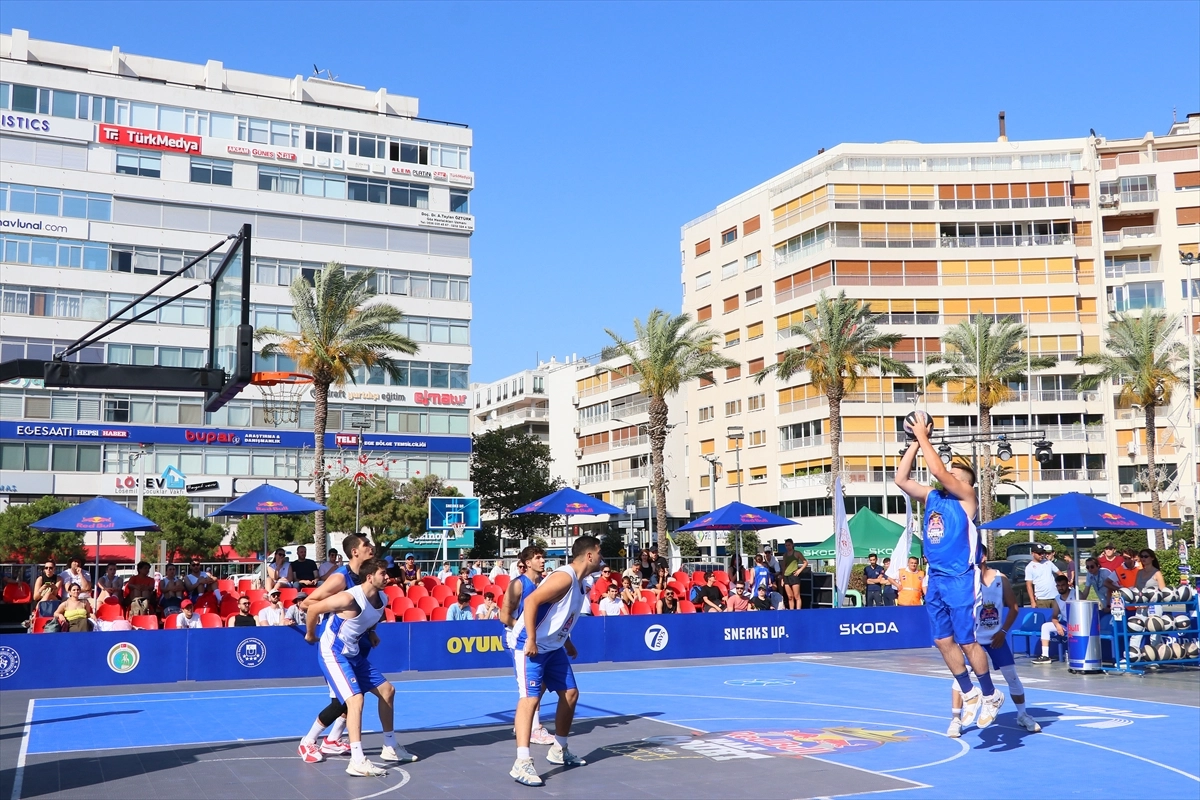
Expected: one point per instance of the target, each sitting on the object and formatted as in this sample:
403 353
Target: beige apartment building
1056 233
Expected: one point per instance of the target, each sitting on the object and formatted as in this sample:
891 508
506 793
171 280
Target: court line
19 774
403 772
1124 753
915 784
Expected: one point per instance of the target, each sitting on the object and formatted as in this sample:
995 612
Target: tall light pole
1188 259
712 498
735 433
360 423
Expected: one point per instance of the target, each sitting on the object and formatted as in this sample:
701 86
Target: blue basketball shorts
544 672
952 602
1001 656
349 676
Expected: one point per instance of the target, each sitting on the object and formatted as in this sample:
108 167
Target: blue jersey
951 540
351 578
758 577
527 587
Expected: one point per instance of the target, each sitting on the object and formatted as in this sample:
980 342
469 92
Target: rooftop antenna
328 76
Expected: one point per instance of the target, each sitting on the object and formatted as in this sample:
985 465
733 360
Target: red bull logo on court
94 523
1036 521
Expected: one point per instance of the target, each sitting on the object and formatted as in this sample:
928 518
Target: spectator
465 585
629 594
658 582
410 573
1066 565
445 572
1101 582
646 568
761 600
243 618
172 591
47 591
770 561
668 603
656 559
911 588
74 614
140 594
709 596
75 574
794 563
889 587
333 560
279 571
110 583
606 573
472 569
736 601
1127 572
761 574
462 609
1149 574
304 569
272 614
294 614
188 618
610 604
1039 577
488 608
497 571
198 580
1058 615
875 577
1110 559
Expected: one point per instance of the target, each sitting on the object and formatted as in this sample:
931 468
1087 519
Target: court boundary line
1123 753
19 772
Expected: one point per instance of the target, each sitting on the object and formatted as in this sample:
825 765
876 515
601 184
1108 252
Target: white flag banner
904 546
844 547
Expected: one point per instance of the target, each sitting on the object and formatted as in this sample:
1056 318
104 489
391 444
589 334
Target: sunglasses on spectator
48 566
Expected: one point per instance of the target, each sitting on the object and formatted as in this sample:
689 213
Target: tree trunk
658 440
985 473
835 437
320 417
1152 472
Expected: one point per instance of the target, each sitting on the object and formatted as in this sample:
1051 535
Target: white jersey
339 636
992 610
554 620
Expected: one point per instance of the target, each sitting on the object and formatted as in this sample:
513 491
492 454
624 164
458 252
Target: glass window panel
189 463
141 411
263 464
439 333
24 98
47 202
239 463
143 115
167 413
74 204
170 119
170 357
88 458
64 458
215 463
37 457
99 208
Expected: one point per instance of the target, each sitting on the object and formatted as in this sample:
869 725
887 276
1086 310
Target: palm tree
1144 357
987 354
668 352
338 334
844 342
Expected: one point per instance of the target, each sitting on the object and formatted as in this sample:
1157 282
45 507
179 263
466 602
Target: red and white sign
440 399
345 439
259 152
148 140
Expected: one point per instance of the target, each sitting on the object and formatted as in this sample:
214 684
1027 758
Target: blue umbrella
267 499
569 501
97 514
737 517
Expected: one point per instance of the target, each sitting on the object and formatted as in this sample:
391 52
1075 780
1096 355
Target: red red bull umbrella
267 499
569 502
97 514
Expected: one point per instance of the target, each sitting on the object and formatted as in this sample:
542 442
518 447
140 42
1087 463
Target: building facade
517 402
1055 234
117 169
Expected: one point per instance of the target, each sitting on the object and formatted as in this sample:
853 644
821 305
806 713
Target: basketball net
282 393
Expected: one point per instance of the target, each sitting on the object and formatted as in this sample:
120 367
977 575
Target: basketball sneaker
311 753
339 747
971 703
397 753
990 708
1041 660
955 729
1028 723
541 736
365 769
561 755
523 772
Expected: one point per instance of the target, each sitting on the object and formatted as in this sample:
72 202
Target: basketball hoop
458 529
282 393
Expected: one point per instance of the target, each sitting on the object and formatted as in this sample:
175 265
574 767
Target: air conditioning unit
579 452
576 430
1131 448
575 483
1110 200
575 400
1126 488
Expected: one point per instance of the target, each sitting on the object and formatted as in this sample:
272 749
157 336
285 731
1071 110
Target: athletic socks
964 682
1045 648
523 752
955 713
356 752
561 740
1020 707
338 728
985 684
313 733
389 738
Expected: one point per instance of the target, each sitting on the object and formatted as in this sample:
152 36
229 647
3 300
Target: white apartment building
116 168
1056 234
516 402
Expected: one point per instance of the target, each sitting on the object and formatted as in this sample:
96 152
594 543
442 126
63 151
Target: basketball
915 418
1151 594
1137 623
1185 593
1163 652
1149 653
1182 622
1135 654
1193 649
1155 624
1176 650
1129 595
1168 596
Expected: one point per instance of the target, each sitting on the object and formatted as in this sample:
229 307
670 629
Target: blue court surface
850 729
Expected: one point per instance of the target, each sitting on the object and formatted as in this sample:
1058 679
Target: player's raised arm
904 479
548 592
962 491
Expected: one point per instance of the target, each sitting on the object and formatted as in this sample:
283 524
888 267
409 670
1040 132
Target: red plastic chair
228 606
224 585
415 615
721 575
393 592
399 605
452 583
640 607
110 611
255 595
698 578
496 591
144 622
171 622
288 596
440 593
681 589
207 603
439 615
681 576
502 581
649 597
388 615
476 602
449 601
244 585
480 582
686 607
18 593
426 604
259 606
210 620
428 581
595 609
417 592
39 624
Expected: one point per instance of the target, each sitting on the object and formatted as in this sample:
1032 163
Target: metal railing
595 448
1124 268
631 410
1072 475
632 441
1145 196
1136 232
995 203
802 442
584 480
1024 240
626 474
503 420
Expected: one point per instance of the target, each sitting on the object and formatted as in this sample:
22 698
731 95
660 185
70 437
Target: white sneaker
562 755
397 753
523 772
1028 723
990 708
541 736
955 729
365 769
971 703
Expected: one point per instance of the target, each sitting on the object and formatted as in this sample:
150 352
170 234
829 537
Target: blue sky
601 128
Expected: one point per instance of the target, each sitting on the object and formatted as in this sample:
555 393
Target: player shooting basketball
952 549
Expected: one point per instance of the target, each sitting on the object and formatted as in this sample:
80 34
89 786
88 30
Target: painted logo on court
656 637
10 662
760 682
757 745
123 658
251 652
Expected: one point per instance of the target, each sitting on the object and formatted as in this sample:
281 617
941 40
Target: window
707 447
369 190
756 439
753 295
751 225
1136 296
731 304
729 236
460 201
758 474
756 402
365 145
729 270
703 279
755 366
704 313
703 247
752 261
212 171
706 414
323 140
733 408
733 373
754 331
55 202
408 194
145 164
732 338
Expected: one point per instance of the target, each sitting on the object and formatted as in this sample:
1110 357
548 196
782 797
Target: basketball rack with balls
282 394
1158 628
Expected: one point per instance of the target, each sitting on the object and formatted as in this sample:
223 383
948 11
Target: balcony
516 418
1147 196
802 442
627 474
1039 240
593 448
631 410
984 204
1131 235
584 480
1072 475
1128 268
632 441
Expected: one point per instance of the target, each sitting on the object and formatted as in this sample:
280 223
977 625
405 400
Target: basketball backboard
446 512
231 336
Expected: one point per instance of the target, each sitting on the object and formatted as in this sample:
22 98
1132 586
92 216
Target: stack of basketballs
1161 624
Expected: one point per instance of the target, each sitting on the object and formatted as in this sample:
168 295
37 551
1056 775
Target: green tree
1144 358
686 543
282 530
184 534
510 469
842 344
379 508
668 352
487 541
19 542
340 331
985 357
1168 564
612 543
412 508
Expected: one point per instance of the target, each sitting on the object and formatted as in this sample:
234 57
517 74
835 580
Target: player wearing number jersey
542 649
531 566
951 545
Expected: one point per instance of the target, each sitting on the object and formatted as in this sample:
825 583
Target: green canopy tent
870 532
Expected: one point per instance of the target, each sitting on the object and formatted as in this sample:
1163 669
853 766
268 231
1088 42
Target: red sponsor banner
148 140
258 152
345 439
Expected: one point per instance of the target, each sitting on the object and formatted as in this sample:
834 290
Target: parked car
1020 549
1014 570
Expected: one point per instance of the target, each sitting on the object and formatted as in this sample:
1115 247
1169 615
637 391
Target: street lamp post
360 423
1188 260
735 433
712 498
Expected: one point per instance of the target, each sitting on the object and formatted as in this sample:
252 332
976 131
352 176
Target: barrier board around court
41 661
